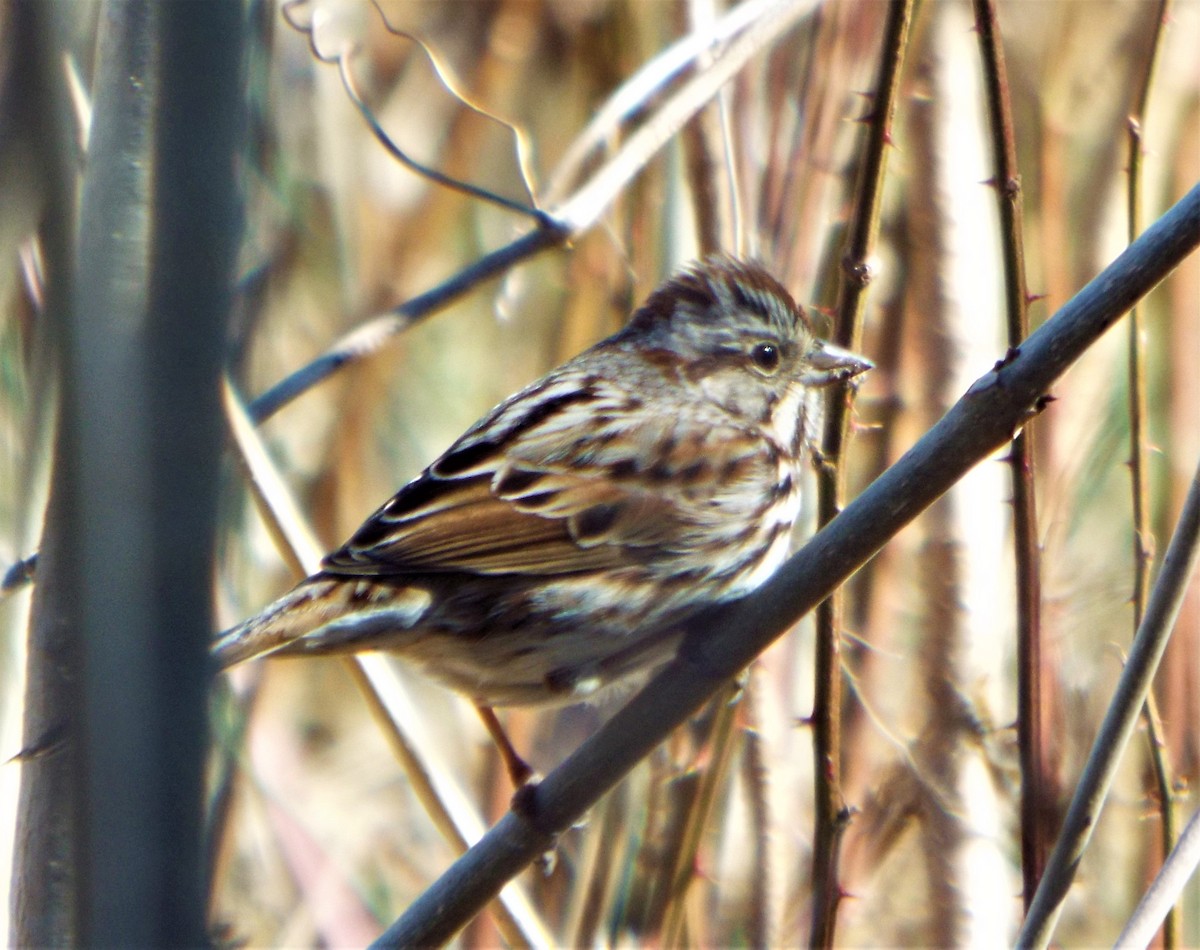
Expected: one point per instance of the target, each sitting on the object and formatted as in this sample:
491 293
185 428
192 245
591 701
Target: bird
562 543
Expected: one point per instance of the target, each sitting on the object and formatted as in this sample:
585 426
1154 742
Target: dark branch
725 641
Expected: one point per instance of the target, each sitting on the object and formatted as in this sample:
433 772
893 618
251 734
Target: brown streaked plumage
561 542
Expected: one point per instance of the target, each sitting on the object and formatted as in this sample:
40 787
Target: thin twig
521 144
831 814
342 58
559 224
446 804
1036 783
374 334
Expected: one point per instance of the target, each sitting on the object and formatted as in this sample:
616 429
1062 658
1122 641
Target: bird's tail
301 610
327 614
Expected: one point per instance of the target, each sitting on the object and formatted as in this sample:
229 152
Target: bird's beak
831 364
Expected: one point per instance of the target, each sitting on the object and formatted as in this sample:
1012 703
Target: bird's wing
566 477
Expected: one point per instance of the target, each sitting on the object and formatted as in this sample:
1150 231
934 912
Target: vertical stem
1143 537
760 922
831 813
141 340
1037 798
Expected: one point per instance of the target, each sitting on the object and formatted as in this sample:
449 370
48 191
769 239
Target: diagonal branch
1179 566
565 220
726 640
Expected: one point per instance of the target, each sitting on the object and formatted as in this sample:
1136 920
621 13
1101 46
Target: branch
565 220
727 639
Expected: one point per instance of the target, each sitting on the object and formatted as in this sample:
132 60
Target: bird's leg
518 769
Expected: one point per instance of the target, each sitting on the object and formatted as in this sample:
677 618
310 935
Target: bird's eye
765 356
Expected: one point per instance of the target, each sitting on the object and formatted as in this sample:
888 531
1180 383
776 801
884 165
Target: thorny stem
831 812
1037 796
1143 537
721 741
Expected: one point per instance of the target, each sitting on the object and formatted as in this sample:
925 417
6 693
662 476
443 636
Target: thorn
548 861
1038 407
19 574
1034 298
524 800
859 271
52 740
1009 355
804 722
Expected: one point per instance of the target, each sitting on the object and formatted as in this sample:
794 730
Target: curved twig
342 59
558 225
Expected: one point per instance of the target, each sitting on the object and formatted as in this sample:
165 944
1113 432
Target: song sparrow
562 541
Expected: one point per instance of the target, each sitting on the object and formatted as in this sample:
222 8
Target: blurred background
320 839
